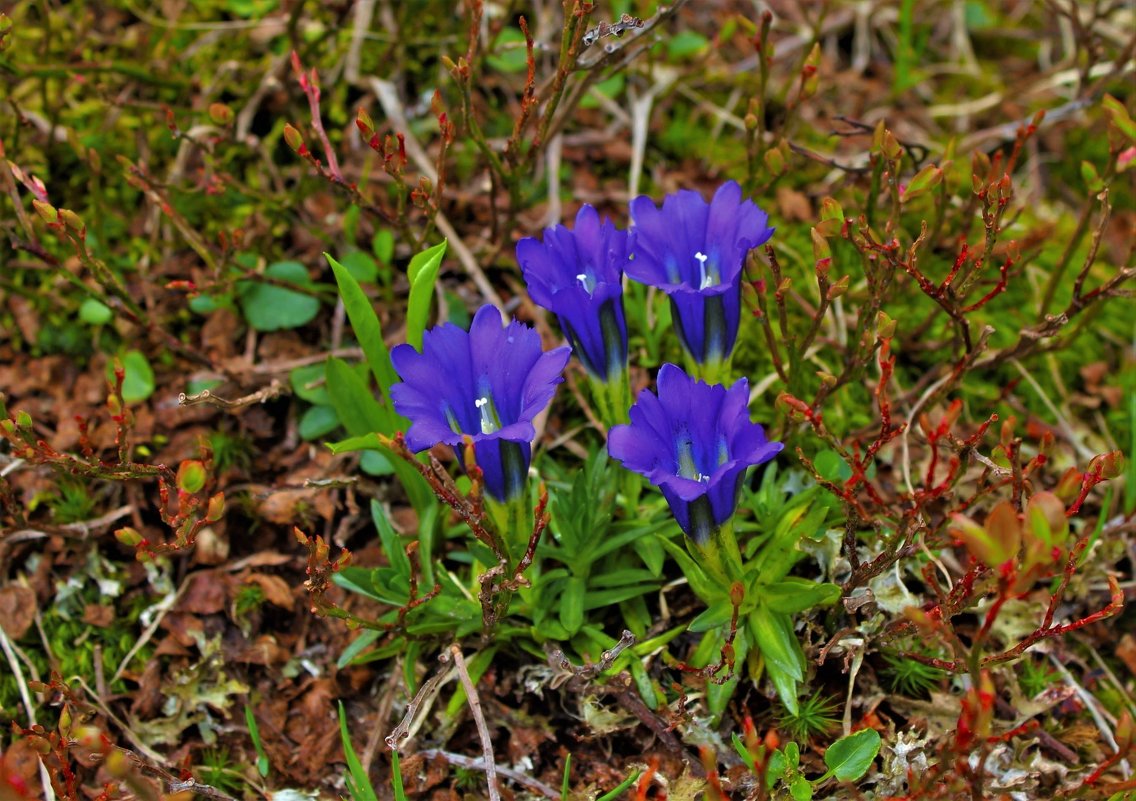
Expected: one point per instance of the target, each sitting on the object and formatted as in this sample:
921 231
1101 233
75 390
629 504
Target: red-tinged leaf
216 508
191 476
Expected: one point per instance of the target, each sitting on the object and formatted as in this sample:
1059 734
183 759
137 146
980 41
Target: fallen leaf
17 610
276 590
207 593
1126 652
98 615
794 205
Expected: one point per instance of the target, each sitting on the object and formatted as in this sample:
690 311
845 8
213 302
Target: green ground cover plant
567 400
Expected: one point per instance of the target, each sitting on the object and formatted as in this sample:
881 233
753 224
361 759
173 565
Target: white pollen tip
480 402
702 257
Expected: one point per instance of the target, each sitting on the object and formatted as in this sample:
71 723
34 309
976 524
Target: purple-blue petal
577 274
444 387
695 252
707 425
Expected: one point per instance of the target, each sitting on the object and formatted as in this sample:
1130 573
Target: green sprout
815 717
72 502
909 676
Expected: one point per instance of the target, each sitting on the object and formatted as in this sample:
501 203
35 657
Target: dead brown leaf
793 205
264 650
20 763
276 590
1126 652
207 593
17 610
98 615
286 507
147 702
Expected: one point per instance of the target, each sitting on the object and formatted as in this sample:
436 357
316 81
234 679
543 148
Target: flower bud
128 536
924 181
774 161
46 211
838 288
1109 465
293 137
220 113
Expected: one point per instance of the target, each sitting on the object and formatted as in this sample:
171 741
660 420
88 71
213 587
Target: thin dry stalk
479 719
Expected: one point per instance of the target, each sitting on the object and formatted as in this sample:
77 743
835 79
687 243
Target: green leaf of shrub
361 266
308 384
800 789
850 757
318 421
685 44
203 304
138 381
191 476
268 307
382 245
95 312
510 55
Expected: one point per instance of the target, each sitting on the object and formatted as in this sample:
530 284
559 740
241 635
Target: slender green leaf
365 324
618 791
396 778
423 273
262 764
392 545
699 582
711 618
572 604
773 635
643 684
793 594
362 789
356 579
357 408
743 752
356 647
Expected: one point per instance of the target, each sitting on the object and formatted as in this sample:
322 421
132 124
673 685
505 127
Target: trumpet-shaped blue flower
695 251
577 275
694 441
488 383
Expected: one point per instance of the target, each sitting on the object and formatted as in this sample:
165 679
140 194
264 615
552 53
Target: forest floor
173 174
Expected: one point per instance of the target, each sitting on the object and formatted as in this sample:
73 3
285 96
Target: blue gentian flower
577 275
695 251
694 441
488 383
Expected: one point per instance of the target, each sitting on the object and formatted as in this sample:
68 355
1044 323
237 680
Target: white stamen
488 424
705 280
583 279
